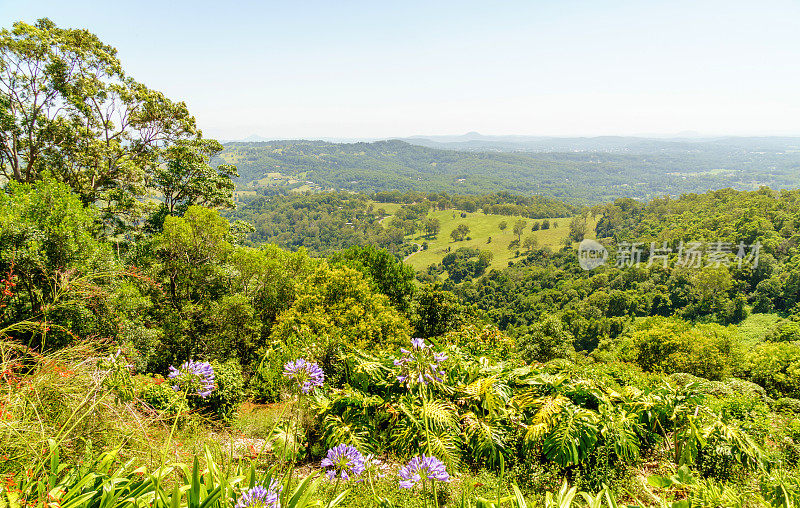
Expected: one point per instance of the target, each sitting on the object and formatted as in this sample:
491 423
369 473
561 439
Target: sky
340 69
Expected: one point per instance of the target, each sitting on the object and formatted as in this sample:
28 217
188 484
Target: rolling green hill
485 234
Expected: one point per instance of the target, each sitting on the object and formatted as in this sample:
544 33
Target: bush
481 340
160 396
672 345
601 469
789 440
787 332
717 460
746 388
534 475
335 310
545 341
715 388
267 381
228 394
776 367
787 405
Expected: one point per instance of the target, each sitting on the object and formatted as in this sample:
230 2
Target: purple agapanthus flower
343 461
420 365
262 497
307 375
193 378
422 468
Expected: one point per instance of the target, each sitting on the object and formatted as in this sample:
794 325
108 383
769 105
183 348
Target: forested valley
291 324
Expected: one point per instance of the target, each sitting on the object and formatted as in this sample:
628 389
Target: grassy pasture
482 227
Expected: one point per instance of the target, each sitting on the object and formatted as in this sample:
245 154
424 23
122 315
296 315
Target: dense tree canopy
67 108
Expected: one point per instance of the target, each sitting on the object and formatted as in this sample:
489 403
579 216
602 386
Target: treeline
723 219
764 223
500 203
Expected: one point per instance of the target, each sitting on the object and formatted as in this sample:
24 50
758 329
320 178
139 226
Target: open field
482 228
390 208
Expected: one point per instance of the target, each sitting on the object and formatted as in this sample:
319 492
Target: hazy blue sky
345 69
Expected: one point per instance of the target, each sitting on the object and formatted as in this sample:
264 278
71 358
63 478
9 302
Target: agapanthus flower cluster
262 497
307 375
193 378
422 468
420 365
343 461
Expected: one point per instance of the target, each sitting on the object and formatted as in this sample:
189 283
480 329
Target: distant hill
685 142
577 170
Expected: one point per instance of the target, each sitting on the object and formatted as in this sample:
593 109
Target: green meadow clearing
485 234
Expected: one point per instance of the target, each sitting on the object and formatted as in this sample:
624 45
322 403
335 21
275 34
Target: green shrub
672 345
788 440
787 332
481 340
731 387
717 460
545 341
602 468
618 375
745 388
267 382
228 393
787 405
165 400
531 474
776 367
335 310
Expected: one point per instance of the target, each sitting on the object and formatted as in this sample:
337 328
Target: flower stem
335 490
172 430
424 394
371 486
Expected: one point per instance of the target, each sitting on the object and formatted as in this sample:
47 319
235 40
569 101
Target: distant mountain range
473 141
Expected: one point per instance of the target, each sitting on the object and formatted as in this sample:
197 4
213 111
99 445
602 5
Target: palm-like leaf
488 393
444 430
573 437
486 438
349 428
546 417
621 429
